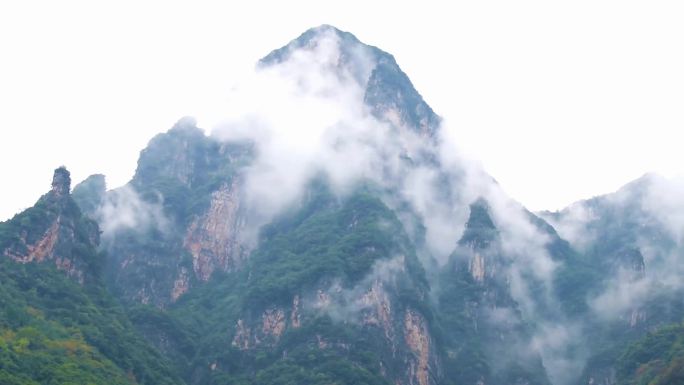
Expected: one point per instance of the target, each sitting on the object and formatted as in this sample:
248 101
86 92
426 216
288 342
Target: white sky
559 100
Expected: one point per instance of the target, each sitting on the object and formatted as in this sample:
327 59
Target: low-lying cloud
123 209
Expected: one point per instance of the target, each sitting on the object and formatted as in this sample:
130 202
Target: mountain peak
328 29
61 182
186 123
310 40
480 230
644 181
479 215
388 91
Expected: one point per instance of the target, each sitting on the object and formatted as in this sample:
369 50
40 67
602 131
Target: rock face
54 230
480 237
267 331
379 312
243 336
406 334
61 183
213 239
181 284
273 323
477 267
295 315
39 251
419 343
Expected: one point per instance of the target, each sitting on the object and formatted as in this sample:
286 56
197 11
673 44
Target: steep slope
57 324
484 326
177 221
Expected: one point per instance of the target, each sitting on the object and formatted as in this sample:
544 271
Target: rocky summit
334 236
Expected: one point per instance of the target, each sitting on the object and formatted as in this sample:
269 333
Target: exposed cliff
179 220
417 336
213 239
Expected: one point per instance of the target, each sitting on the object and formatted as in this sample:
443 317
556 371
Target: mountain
329 234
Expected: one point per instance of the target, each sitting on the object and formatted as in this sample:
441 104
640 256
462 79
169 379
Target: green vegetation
52 355
50 313
350 358
656 359
326 239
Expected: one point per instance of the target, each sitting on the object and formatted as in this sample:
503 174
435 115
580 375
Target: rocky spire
61 182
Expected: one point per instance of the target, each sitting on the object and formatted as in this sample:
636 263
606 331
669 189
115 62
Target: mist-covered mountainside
634 237
329 232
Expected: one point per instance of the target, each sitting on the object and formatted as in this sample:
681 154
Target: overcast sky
560 101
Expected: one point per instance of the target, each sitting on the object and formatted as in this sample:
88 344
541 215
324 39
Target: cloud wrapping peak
307 115
304 108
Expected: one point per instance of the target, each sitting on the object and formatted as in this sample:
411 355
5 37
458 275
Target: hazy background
559 100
